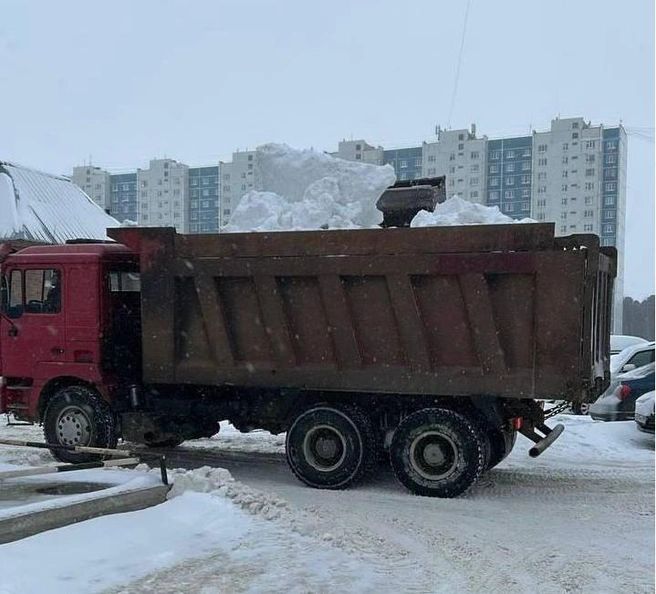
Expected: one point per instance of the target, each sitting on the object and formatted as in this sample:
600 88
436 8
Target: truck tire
330 446
437 453
78 415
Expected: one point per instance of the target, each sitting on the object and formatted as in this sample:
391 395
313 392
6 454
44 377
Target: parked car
618 342
632 357
617 403
644 412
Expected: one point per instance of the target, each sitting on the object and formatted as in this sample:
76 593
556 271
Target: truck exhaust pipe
542 442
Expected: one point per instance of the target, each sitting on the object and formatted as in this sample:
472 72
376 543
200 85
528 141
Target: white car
632 357
644 412
619 342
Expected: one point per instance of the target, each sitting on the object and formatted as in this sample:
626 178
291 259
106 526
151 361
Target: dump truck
428 347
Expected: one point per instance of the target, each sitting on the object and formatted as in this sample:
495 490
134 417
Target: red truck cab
68 317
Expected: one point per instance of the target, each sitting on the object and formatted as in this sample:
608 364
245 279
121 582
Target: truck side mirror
628 367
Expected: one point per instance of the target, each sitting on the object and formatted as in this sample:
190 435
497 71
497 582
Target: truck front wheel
330 446
78 416
437 453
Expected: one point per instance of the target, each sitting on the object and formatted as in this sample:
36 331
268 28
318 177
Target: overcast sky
126 81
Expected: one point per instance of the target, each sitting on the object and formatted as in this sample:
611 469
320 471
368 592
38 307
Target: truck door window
42 291
124 282
13 294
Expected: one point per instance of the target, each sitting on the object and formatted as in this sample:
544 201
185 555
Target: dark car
617 403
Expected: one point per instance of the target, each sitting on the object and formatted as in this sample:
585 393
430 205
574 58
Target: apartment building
162 199
95 182
359 150
462 157
204 198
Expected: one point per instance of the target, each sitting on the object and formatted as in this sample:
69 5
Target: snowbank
305 189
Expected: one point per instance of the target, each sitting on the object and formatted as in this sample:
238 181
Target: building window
588 227
494 155
509 208
610 159
565 146
589 185
542 148
542 203
588 214
526 179
510 154
510 167
575 126
473 194
590 144
452 157
525 206
542 175
565 173
494 169
588 199
575 135
526 166
526 152
609 214
509 194
542 189
563 216
542 162
510 181
526 193
473 181
565 160
494 181
431 158
494 195
474 155
564 188
589 172
474 168
609 228
461 147
609 201
563 201
589 158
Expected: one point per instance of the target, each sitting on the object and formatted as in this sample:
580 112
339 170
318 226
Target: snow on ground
580 518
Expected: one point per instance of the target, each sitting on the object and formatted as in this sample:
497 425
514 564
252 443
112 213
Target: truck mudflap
542 442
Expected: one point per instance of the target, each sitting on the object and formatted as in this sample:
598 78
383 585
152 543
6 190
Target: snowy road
578 519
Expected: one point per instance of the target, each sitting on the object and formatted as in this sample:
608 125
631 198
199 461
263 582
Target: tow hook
542 442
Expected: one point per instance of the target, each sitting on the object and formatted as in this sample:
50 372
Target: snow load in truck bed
305 190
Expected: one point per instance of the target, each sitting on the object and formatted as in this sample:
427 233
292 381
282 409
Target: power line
462 47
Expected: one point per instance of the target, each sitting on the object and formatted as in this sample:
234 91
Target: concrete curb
30 523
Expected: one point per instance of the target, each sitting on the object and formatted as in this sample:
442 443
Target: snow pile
305 189
45 208
456 211
220 482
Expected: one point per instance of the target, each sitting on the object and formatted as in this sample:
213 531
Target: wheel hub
73 427
433 455
324 448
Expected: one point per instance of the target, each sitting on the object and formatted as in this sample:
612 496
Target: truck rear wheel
330 446
78 416
437 453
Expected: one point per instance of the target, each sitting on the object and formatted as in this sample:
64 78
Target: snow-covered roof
40 207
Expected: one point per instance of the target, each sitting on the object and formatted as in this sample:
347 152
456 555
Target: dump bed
506 310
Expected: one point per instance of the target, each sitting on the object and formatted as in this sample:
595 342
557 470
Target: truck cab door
32 326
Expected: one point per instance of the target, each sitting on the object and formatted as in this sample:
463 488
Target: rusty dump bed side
507 310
